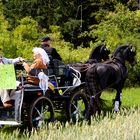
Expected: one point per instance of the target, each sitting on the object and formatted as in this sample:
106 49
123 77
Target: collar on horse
117 64
121 66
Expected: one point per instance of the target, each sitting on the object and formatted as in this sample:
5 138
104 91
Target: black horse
98 54
110 74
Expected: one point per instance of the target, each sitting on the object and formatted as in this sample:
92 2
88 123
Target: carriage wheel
41 112
78 106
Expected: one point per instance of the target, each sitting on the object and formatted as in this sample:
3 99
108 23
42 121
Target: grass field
121 126
130 97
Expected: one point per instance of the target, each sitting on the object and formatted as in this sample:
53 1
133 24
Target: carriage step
7 113
7 108
60 98
9 123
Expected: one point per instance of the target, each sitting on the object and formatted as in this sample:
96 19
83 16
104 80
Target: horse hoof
116 106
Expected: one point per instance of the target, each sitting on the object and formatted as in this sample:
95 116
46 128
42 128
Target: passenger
41 61
7 95
45 44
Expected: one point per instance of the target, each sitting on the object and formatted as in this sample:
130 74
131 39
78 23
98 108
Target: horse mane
96 51
119 49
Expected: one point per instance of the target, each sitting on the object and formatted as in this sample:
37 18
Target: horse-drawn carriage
35 106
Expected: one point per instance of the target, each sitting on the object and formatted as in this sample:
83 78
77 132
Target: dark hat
45 38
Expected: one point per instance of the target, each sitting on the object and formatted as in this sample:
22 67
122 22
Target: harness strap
120 67
96 86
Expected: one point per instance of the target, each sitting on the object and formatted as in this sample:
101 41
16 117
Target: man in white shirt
7 95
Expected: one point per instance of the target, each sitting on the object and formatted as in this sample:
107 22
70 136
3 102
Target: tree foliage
63 13
119 27
74 27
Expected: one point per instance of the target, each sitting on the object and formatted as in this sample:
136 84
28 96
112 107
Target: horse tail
92 89
91 82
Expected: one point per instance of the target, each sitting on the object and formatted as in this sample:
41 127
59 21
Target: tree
118 27
73 16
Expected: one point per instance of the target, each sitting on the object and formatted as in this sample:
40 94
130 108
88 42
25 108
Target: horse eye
105 49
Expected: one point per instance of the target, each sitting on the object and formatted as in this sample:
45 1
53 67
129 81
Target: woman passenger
41 61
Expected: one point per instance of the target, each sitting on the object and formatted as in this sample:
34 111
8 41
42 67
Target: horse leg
93 98
118 100
98 103
95 105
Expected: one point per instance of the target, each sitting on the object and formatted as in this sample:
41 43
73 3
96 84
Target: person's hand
24 63
21 59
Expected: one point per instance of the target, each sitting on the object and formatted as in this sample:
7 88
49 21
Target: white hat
43 54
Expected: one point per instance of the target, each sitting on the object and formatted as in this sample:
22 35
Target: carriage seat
56 67
30 86
44 83
59 74
68 75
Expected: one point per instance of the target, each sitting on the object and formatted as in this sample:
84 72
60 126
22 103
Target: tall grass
124 125
121 126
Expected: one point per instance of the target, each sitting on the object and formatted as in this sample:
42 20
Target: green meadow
124 125
130 97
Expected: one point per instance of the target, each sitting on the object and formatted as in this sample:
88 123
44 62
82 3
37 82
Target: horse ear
104 45
133 49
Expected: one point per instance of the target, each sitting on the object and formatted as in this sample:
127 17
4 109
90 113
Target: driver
45 44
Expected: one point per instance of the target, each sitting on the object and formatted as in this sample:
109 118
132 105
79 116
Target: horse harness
118 66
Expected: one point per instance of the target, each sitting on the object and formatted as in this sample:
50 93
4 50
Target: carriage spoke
37 118
41 112
75 112
78 110
42 117
40 123
41 109
75 106
39 115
